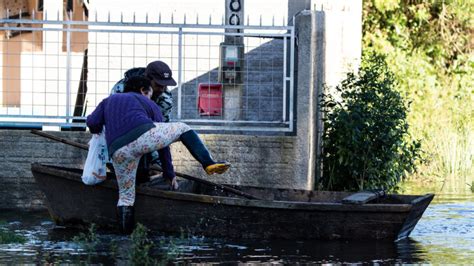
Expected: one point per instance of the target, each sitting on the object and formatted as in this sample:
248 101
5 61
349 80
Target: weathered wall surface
256 160
19 148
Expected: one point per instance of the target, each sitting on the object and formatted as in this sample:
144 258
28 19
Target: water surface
445 234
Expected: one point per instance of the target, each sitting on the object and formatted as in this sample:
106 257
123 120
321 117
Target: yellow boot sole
217 168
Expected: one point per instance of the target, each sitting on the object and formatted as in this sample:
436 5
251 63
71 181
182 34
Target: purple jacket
126 117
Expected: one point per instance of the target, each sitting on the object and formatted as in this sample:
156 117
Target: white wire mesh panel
58 71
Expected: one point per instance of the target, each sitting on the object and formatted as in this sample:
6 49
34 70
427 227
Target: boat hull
304 215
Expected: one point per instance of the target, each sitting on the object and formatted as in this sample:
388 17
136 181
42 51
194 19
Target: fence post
180 68
291 108
285 69
68 71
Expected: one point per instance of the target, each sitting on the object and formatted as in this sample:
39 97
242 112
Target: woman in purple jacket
134 127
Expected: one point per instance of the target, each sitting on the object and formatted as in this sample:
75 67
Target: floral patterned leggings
125 159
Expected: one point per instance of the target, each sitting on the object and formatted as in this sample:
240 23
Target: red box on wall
210 99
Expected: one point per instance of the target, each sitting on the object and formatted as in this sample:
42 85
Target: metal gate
54 72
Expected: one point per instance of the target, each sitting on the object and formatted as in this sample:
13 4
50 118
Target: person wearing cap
161 96
133 127
160 76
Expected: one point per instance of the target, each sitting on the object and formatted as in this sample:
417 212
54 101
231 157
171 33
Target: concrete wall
19 149
256 160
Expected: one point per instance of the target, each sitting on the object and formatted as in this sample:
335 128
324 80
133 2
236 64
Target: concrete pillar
311 63
319 24
234 15
306 101
299 15
328 48
296 6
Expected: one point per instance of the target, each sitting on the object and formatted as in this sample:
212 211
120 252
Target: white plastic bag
95 170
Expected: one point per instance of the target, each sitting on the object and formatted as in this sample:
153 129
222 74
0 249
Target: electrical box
231 63
210 99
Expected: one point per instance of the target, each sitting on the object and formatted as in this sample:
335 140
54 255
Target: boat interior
279 194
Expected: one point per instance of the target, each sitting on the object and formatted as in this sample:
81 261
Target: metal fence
54 72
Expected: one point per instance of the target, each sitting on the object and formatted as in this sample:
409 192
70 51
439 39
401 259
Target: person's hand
174 184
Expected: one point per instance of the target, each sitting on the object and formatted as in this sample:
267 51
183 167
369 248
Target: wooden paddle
153 167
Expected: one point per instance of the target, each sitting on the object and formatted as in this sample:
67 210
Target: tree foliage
442 30
429 48
365 142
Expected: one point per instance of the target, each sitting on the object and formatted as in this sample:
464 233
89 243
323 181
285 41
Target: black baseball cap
160 72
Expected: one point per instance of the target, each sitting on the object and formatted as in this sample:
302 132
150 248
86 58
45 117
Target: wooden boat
278 214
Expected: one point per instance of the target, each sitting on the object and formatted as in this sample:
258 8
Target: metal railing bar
237 128
192 121
180 67
260 35
41 116
211 128
230 122
284 78
292 79
144 24
68 72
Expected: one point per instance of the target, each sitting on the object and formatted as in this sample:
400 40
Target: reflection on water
446 230
445 234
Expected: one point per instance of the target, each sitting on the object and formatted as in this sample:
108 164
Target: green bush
365 141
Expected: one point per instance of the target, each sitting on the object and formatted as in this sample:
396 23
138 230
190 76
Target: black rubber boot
126 219
198 150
